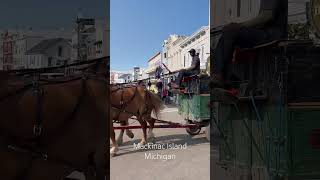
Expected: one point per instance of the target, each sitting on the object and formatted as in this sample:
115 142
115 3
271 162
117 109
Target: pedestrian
164 95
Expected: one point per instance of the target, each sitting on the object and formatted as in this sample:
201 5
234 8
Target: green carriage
193 102
273 130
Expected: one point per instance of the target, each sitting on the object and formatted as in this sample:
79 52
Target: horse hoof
113 151
141 144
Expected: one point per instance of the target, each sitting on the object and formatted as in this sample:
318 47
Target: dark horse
50 128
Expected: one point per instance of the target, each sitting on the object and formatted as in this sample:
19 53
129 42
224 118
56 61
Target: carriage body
194 107
194 100
278 135
273 132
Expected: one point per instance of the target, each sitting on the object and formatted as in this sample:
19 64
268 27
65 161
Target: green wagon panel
270 135
194 107
287 139
305 157
257 152
237 145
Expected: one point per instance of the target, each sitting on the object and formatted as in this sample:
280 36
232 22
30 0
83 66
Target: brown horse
48 130
133 101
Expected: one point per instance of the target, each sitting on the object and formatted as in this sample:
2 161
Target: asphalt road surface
189 160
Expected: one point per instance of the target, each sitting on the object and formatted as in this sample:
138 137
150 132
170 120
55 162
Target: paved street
181 164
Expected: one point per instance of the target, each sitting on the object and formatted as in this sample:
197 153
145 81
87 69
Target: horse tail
157 104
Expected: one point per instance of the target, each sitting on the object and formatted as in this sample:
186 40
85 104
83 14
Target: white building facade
200 41
144 75
21 46
23 40
153 63
49 53
224 12
176 49
94 37
117 77
171 54
136 73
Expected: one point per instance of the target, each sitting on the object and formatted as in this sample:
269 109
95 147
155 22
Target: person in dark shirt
194 69
269 25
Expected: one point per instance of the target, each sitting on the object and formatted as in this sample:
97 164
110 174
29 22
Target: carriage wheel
193 130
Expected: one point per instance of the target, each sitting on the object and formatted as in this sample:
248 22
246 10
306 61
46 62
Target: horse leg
128 131
114 148
144 130
151 122
120 137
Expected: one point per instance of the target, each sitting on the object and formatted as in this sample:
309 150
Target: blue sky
138 27
49 14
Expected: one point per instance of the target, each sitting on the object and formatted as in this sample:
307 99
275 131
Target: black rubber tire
193 131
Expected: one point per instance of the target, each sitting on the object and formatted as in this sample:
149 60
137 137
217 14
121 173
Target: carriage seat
193 77
250 54
189 78
244 67
196 84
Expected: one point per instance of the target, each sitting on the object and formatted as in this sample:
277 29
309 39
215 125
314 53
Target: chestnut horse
49 129
133 101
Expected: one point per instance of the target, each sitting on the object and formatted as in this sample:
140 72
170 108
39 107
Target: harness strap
37 130
35 151
123 105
